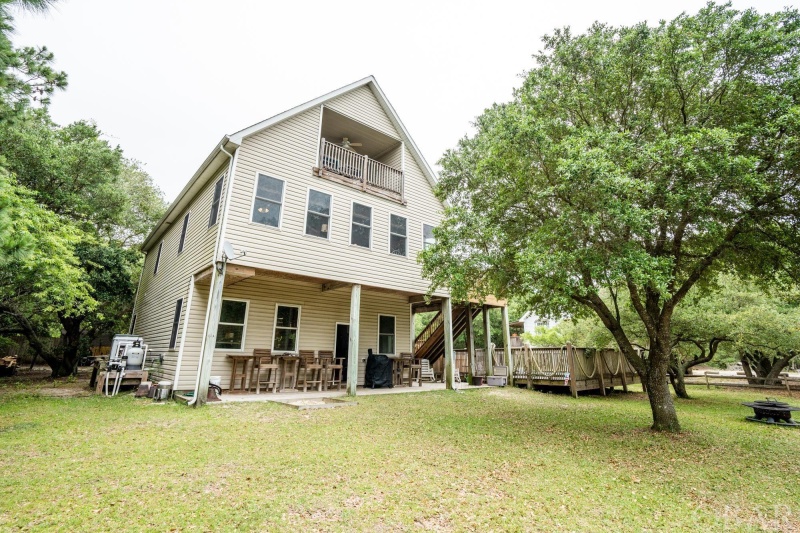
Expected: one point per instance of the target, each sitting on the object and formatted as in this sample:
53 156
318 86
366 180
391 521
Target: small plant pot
477 380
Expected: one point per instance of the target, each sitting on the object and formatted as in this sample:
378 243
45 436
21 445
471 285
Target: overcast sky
167 79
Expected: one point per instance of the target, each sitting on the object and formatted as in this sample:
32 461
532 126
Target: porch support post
449 354
507 347
352 350
470 342
212 323
487 332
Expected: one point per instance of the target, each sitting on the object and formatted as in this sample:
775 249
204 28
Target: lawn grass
490 460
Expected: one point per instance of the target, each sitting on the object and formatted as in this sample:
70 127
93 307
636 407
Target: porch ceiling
336 126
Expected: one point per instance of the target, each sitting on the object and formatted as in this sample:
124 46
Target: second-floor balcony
363 171
360 156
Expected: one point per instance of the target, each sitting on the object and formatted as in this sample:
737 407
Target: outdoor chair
311 370
265 371
333 369
426 372
404 368
414 368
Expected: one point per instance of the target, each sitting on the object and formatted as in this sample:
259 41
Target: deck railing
360 168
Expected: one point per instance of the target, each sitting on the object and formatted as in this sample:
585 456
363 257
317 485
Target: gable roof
231 142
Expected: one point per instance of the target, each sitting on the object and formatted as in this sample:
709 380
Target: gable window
318 214
386 334
361 231
232 320
212 219
287 324
397 235
268 202
428 239
176 320
182 241
158 258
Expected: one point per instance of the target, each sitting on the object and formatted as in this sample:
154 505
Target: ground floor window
232 321
287 326
386 334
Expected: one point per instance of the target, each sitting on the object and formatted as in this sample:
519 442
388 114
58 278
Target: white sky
167 79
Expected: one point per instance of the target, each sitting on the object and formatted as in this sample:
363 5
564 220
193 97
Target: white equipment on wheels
127 352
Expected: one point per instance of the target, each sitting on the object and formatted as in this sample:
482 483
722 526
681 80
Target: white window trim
185 235
395 333
389 240
253 202
220 179
371 224
275 326
244 329
305 214
422 232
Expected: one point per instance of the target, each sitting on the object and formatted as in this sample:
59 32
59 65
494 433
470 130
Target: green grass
491 459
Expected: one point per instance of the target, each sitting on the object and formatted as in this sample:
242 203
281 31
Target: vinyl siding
156 297
319 313
288 151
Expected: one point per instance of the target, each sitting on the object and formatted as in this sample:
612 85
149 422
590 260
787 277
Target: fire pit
771 411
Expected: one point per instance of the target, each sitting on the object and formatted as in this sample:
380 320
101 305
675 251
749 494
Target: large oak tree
642 159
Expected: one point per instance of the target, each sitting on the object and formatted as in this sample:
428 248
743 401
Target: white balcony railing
364 171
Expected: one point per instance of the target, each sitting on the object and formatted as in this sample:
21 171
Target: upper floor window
318 214
361 231
287 325
158 257
183 233
232 321
428 239
398 235
212 219
268 201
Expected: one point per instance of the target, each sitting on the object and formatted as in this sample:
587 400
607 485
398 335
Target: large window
428 239
398 235
232 320
268 202
176 320
386 334
287 323
158 258
212 219
361 231
183 233
318 216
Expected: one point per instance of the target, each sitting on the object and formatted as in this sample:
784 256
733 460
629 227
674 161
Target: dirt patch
38 381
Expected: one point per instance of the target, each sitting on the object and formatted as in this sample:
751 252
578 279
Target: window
183 233
428 239
215 203
318 215
232 320
287 320
268 202
158 258
385 334
397 235
175 321
362 225
133 324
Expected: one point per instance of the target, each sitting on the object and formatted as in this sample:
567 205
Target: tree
638 159
26 74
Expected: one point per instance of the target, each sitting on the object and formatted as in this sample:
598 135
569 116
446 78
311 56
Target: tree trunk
677 376
664 416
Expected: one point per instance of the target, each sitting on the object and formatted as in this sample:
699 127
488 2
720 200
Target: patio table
242 376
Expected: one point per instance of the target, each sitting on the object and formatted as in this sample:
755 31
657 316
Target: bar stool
265 371
414 369
406 360
290 365
333 368
310 370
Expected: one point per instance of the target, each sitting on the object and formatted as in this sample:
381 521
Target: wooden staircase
429 344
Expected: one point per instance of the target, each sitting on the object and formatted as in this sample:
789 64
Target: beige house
322 211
